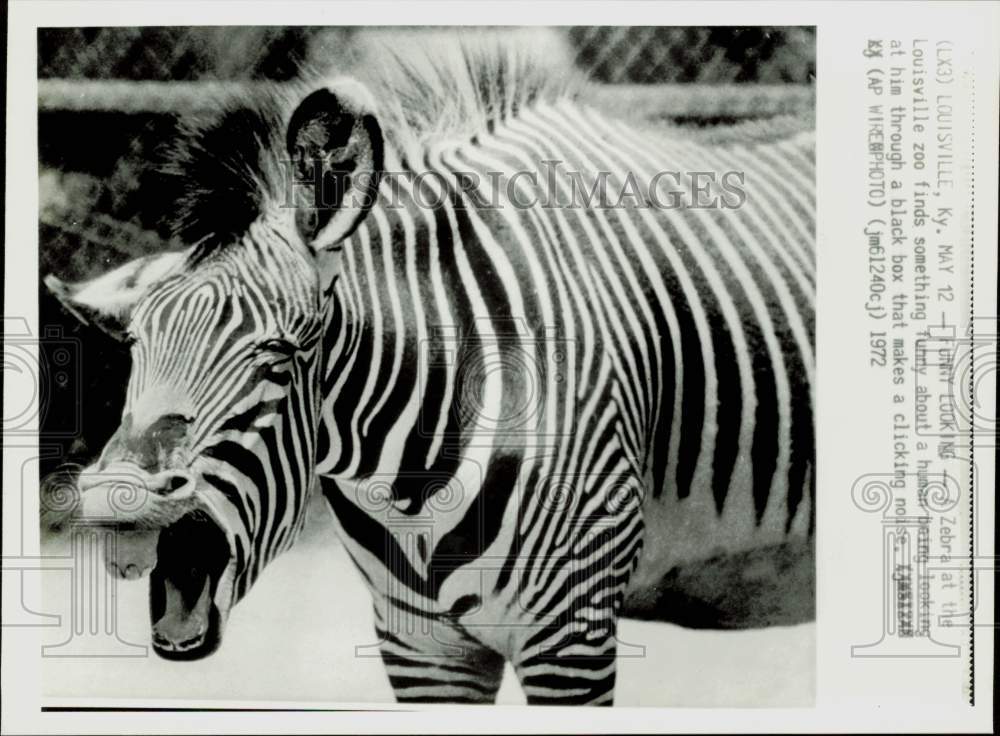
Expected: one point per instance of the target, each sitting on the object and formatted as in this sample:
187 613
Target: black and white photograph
504 335
439 366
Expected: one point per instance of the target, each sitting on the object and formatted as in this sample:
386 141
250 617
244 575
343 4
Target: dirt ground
296 637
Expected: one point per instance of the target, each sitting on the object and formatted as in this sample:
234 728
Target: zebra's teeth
134 554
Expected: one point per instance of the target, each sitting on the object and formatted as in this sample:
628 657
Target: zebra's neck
441 279
380 372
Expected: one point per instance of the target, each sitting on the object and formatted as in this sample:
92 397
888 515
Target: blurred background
110 99
610 54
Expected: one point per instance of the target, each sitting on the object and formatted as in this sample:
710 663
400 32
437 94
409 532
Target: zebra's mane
439 84
428 85
226 167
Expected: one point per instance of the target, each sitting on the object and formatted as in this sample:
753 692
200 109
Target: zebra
531 416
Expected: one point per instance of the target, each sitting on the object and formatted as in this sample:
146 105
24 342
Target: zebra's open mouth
192 555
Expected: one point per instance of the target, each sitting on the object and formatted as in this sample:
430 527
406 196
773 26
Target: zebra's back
687 298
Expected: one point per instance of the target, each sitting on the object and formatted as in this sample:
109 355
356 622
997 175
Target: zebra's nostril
176 483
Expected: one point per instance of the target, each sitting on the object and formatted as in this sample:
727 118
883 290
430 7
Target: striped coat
548 370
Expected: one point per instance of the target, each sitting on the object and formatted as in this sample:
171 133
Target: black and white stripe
529 421
685 382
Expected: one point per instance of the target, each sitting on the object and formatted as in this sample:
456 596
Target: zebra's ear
336 147
107 301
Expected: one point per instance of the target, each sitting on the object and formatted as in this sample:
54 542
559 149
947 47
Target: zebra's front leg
576 667
433 660
570 658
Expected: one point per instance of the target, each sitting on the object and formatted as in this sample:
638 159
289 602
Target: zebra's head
208 475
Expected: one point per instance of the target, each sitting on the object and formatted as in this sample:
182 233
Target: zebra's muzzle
125 496
137 505
166 528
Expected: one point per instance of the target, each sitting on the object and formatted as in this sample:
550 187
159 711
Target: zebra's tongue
184 624
191 556
133 553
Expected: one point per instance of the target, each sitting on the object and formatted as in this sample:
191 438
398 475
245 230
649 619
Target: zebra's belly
753 588
704 569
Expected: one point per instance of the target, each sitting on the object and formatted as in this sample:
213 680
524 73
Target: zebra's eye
278 347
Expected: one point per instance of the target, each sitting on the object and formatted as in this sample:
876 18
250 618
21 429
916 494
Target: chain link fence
722 55
177 54
609 54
